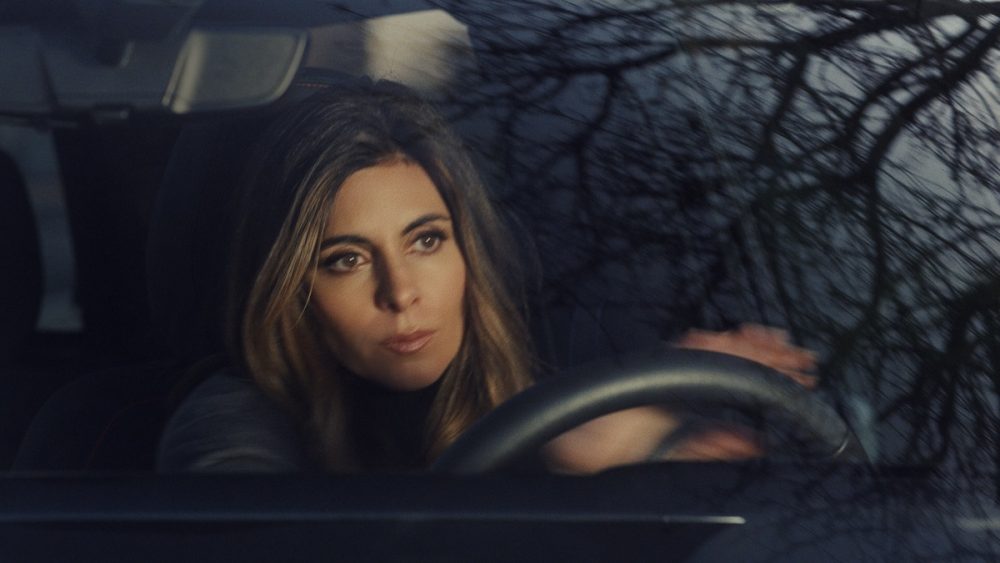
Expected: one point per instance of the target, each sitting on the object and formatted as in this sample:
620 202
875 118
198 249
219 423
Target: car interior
148 200
124 125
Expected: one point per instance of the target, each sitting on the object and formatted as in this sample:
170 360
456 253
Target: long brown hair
295 173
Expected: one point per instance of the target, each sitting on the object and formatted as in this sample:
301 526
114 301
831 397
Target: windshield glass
828 168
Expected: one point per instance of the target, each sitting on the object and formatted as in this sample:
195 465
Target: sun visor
424 49
222 69
65 75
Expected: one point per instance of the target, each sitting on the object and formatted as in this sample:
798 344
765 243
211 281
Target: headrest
21 275
193 217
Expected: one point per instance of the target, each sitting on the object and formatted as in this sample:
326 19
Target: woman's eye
429 242
345 262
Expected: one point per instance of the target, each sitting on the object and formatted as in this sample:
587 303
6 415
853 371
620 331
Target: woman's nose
397 287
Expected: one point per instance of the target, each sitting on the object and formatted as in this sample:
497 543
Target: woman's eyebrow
341 239
423 220
355 239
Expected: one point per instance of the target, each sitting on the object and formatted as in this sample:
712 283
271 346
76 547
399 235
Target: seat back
20 302
111 420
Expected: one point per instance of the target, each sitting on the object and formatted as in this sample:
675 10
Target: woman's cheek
340 302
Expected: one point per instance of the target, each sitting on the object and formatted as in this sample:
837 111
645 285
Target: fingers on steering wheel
765 345
774 349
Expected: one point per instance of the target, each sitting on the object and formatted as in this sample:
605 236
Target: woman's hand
633 435
764 345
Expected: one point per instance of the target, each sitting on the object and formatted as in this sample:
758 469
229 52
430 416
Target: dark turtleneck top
227 424
389 426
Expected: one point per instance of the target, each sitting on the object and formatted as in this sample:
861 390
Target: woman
372 318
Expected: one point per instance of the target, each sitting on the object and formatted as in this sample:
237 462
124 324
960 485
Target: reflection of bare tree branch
867 177
830 166
968 10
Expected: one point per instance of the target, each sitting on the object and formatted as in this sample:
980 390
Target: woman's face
391 281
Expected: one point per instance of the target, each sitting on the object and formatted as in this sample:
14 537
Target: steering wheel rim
553 406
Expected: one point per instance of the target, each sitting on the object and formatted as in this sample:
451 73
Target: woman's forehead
383 199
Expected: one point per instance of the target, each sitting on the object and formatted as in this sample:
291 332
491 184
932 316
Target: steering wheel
540 413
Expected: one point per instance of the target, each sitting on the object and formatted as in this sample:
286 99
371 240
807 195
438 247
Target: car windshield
829 168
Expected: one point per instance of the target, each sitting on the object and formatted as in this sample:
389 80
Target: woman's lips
408 343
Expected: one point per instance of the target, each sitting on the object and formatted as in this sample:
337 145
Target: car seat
114 418
111 420
20 301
